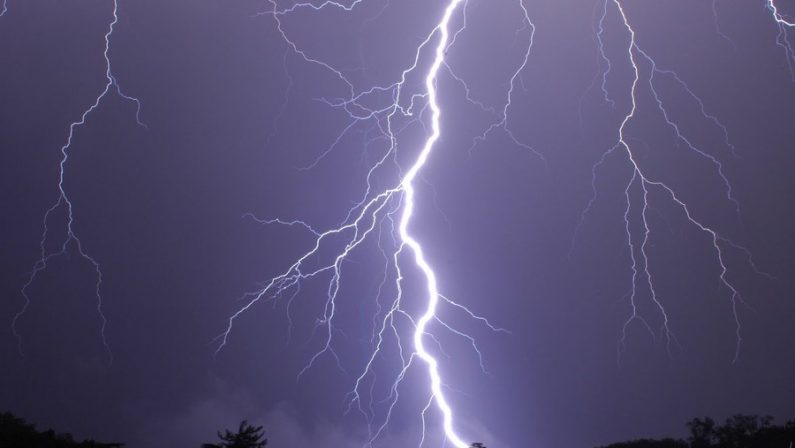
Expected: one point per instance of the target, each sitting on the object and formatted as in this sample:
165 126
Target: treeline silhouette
739 431
17 433
249 436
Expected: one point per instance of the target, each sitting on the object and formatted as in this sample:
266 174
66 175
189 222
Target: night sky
234 117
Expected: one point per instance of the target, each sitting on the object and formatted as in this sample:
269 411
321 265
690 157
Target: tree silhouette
17 433
477 445
247 436
739 431
702 432
648 443
742 430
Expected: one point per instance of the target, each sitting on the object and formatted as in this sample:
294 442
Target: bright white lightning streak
63 200
782 39
392 207
777 16
408 210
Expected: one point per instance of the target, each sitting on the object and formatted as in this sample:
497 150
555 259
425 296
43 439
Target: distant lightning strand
718 28
638 173
502 122
65 202
603 57
639 257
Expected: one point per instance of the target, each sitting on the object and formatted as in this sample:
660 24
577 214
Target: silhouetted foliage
17 433
477 445
702 432
739 431
648 443
247 436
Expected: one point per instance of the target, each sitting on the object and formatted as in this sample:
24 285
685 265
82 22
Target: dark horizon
747 431
230 120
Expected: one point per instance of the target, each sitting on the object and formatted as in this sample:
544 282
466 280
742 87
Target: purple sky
233 115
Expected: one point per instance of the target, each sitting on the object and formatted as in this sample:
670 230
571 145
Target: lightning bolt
718 28
64 202
387 211
782 39
783 23
408 239
391 210
642 183
777 16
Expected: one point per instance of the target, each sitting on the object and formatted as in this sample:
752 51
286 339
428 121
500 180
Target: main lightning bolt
393 208
390 209
64 202
407 239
